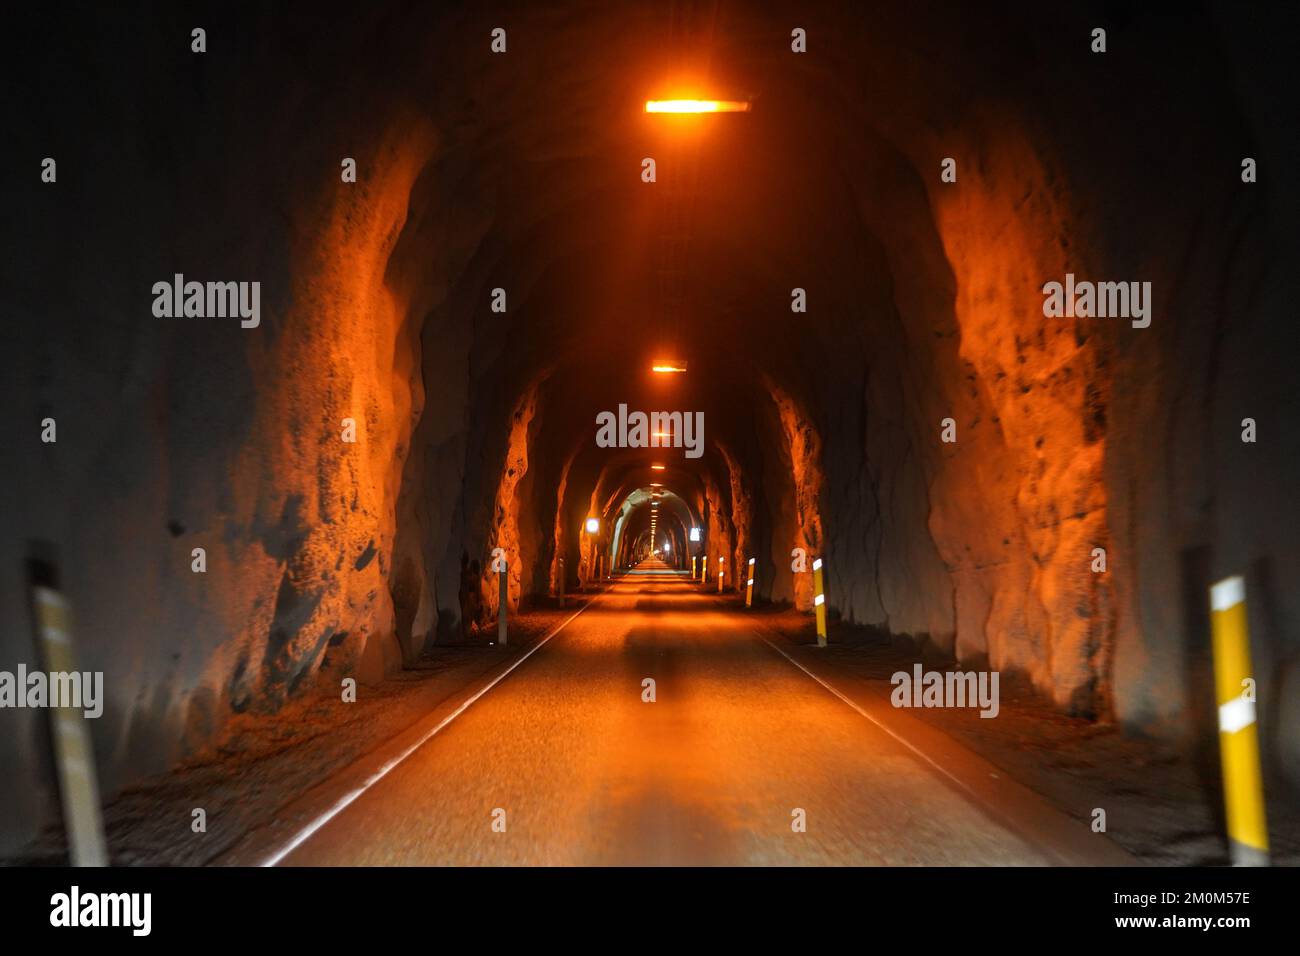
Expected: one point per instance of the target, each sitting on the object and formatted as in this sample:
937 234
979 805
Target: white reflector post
74 755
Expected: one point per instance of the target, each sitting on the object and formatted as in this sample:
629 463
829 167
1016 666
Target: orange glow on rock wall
560 534
505 513
320 508
1021 502
742 511
804 447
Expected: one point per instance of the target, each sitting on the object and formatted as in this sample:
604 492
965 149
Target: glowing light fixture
593 525
695 534
656 467
696 106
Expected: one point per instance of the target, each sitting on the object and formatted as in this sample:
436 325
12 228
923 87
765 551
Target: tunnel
331 330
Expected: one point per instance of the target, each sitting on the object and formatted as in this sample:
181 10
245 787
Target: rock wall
474 427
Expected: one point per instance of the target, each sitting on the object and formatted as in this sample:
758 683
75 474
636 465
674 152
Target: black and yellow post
819 601
1243 786
503 602
749 585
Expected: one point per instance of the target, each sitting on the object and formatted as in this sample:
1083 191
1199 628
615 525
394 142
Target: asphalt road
713 771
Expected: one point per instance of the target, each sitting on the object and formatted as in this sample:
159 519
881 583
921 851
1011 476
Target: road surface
738 744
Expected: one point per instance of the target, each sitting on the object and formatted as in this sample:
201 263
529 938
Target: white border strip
1236 714
1227 593
303 835
906 743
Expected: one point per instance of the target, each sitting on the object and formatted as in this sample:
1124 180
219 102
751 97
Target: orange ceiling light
656 467
667 367
696 106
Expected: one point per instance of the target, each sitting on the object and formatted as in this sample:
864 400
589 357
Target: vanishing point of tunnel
741 365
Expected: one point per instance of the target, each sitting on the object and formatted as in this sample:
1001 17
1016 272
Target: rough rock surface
475 428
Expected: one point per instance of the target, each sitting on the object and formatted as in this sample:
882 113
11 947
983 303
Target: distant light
657 467
656 484
696 106
695 534
593 525
665 545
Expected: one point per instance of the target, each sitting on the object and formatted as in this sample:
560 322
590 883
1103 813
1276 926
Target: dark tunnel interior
850 273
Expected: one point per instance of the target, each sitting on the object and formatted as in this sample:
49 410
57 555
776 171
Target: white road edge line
981 804
906 743
303 835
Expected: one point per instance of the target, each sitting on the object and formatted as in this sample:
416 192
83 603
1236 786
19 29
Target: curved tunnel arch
476 427
892 216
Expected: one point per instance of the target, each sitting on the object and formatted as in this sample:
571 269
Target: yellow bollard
1243 786
704 569
722 570
503 603
749 586
695 573
819 602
